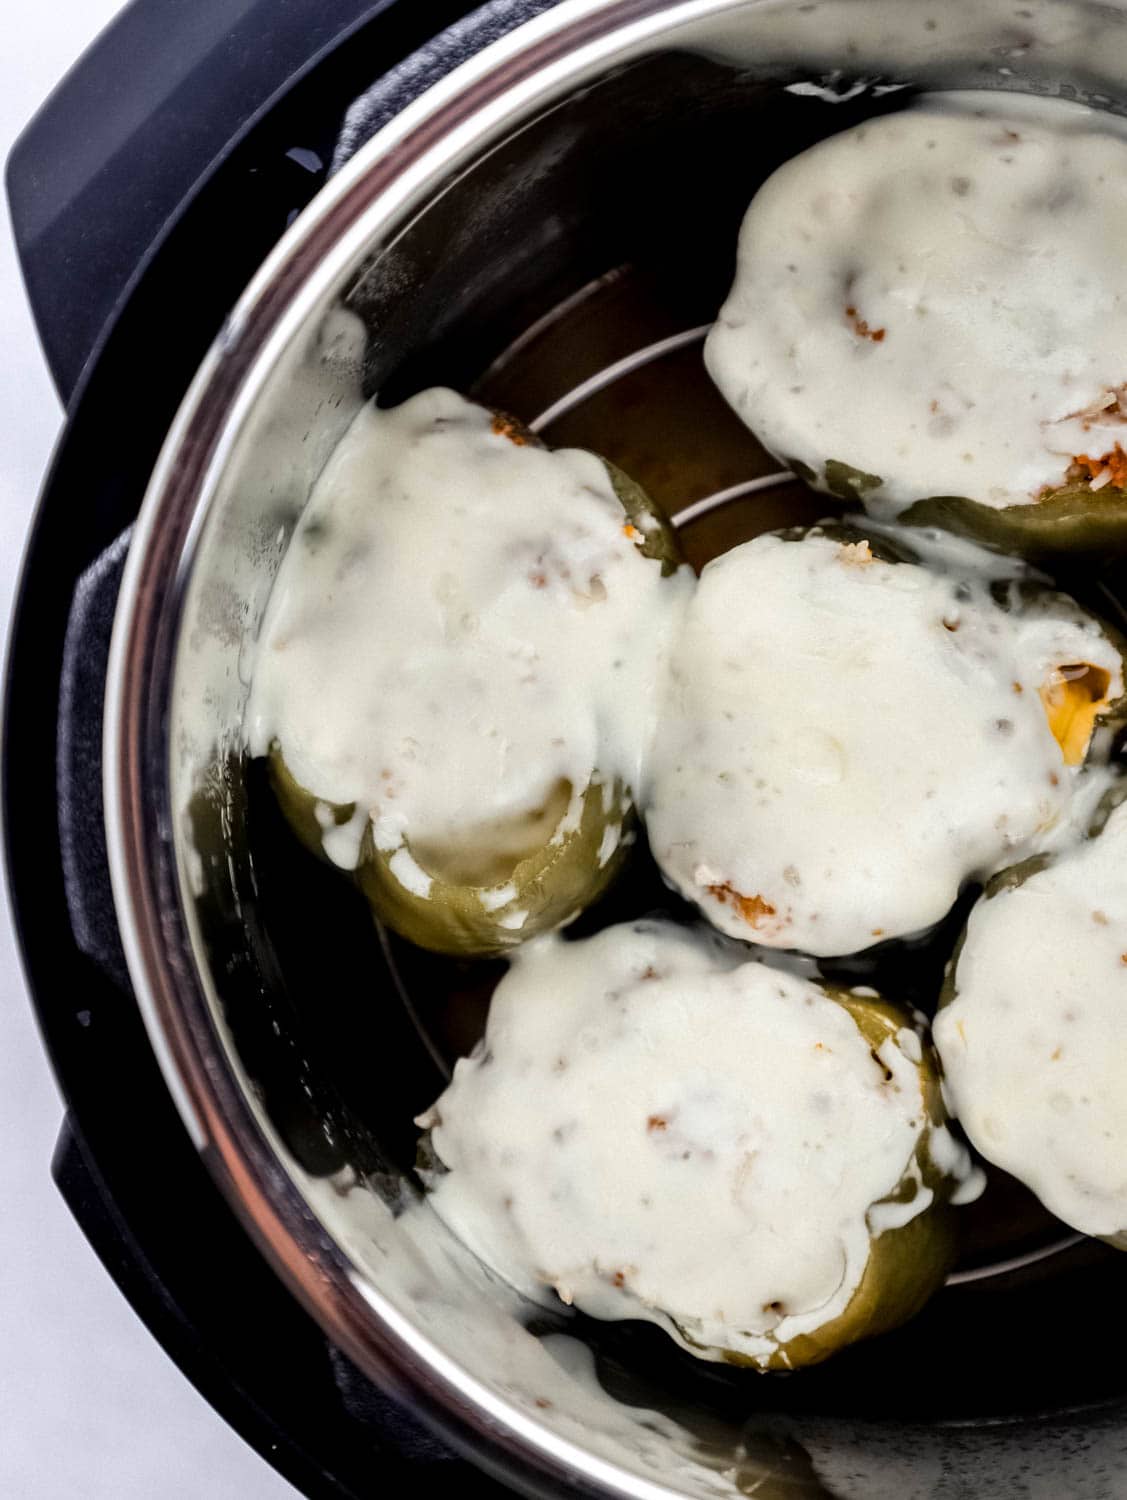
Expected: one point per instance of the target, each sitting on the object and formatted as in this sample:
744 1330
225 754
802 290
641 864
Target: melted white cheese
844 741
659 1129
460 625
936 297
1034 1046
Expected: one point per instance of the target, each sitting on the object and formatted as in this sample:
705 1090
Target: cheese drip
657 1128
1034 1041
935 299
463 637
845 740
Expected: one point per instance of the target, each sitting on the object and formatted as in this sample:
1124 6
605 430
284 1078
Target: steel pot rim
507 81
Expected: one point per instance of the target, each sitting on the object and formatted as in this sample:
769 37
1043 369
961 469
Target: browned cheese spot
861 328
506 427
753 909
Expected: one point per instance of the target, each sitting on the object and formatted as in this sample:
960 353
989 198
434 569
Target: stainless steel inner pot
551 227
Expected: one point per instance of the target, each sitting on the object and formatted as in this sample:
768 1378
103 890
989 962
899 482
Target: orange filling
506 427
1105 468
1072 699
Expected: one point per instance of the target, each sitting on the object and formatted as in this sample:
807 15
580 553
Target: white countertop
90 1406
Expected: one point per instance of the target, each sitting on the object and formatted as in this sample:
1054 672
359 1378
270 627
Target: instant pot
239 220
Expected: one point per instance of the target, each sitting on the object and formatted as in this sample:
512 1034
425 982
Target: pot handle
399 86
149 110
82 830
161 99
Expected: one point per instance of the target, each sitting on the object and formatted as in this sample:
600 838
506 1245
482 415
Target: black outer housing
143 196
159 100
132 264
